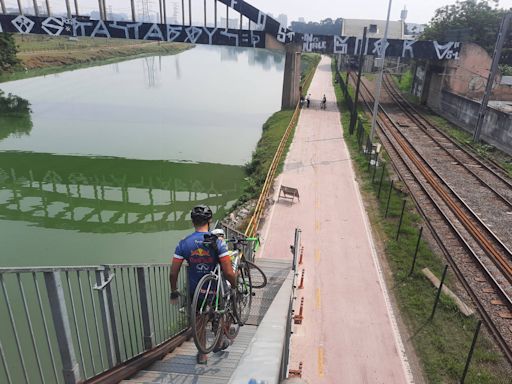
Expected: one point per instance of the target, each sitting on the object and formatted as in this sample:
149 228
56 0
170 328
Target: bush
8 52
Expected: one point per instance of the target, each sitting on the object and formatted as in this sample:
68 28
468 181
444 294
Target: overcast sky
420 11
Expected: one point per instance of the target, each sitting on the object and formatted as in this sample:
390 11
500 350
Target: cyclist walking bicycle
202 257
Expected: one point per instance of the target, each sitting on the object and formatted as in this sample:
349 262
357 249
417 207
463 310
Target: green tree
15 116
8 51
476 21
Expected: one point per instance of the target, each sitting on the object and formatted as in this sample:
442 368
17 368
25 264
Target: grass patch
309 62
442 344
405 81
273 130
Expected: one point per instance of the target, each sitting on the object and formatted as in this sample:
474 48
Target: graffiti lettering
210 34
101 29
23 24
83 26
408 49
77 24
53 26
193 34
313 43
173 32
447 51
262 20
378 47
126 29
340 45
281 35
231 36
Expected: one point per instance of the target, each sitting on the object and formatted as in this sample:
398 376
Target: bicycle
218 312
258 279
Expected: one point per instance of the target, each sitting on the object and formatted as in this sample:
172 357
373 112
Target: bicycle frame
217 272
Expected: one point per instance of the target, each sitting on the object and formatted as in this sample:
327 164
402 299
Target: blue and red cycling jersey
201 258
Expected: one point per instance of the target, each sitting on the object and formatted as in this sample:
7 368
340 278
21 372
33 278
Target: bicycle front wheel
243 298
258 277
207 322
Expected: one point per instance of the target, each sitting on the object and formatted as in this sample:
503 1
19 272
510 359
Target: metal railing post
296 247
146 308
68 9
134 15
20 8
2 3
107 318
55 290
470 355
36 8
416 252
438 295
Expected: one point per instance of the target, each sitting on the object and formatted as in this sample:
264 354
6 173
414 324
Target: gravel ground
461 173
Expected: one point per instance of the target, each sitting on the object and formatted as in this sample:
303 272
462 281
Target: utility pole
502 35
353 117
381 74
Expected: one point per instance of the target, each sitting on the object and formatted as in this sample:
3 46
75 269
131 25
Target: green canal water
106 162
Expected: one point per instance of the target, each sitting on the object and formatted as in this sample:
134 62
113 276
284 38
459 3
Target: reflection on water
103 165
111 195
15 117
155 108
68 210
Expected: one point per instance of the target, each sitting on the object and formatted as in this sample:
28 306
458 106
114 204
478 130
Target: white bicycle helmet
218 232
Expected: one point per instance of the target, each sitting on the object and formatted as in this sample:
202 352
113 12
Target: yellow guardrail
254 223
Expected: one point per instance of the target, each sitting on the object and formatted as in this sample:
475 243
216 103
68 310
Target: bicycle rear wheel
231 326
258 277
207 322
243 298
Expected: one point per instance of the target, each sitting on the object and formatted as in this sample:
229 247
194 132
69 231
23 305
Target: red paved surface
349 334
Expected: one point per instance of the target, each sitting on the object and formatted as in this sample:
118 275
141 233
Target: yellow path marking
317 225
317 203
318 298
321 361
317 255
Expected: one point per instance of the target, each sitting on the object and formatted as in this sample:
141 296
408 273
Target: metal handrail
254 223
289 319
70 324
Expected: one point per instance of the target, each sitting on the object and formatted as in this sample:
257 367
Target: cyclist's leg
201 358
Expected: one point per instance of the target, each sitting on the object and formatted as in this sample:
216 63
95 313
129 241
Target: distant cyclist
202 257
324 103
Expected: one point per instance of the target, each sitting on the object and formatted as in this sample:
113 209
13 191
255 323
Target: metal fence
249 250
68 324
289 320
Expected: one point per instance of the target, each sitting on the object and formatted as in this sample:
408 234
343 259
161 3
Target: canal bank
42 55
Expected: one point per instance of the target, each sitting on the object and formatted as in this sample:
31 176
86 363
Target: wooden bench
288 193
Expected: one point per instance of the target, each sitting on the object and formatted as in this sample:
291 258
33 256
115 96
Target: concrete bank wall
463 112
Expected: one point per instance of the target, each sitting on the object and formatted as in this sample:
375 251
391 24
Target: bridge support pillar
291 83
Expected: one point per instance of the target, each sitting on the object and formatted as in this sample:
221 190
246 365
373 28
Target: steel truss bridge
262 31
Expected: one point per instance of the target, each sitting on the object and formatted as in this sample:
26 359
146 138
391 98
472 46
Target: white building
354 27
283 19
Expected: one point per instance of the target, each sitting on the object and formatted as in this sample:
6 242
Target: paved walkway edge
262 358
394 324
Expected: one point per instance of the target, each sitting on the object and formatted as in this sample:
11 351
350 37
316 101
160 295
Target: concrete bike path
349 333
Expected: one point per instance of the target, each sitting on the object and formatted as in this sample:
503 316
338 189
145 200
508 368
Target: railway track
481 260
